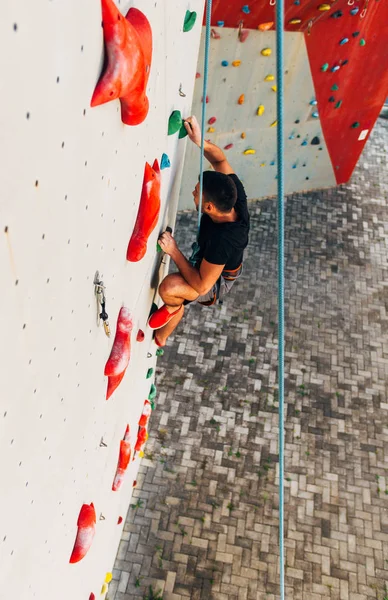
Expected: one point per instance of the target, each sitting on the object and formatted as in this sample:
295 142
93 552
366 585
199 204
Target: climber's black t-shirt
224 243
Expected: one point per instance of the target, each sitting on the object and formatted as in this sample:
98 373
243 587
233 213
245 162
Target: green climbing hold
159 352
189 22
149 373
334 87
355 125
152 403
174 122
338 104
315 141
182 131
324 67
152 394
362 42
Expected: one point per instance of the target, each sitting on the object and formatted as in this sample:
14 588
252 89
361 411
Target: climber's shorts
222 286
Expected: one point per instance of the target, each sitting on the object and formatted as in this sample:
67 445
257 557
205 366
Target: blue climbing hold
354 10
165 162
355 33
344 62
335 68
291 136
337 14
315 141
224 63
220 23
246 9
294 166
331 99
304 143
344 41
315 115
272 163
297 2
297 121
313 102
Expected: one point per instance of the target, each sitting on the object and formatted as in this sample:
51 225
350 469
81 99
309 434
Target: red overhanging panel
347 44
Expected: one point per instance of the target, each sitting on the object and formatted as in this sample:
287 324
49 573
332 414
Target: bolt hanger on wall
99 292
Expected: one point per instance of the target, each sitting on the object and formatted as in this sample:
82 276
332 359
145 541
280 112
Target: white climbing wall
306 166
71 182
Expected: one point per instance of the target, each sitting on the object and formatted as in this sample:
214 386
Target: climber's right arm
212 153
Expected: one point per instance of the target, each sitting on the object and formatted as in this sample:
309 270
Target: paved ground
208 524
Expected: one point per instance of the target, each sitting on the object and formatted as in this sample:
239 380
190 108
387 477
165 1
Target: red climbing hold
243 35
140 336
207 99
148 214
128 43
141 439
215 35
121 351
212 120
124 458
228 147
86 529
119 520
92 596
145 415
197 75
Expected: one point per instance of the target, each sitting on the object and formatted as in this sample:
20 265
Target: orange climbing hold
265 26
236 63
148 214
241 99
128 43
243 135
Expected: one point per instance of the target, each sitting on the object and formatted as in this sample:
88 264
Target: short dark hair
220 190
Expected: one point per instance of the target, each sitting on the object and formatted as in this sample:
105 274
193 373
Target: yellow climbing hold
249 151
274 124
241 99
262 164
274 88
108 577
243 135
323 7
266 52
269 78
236 63
211 130
104 589
260 110
141 454
294 21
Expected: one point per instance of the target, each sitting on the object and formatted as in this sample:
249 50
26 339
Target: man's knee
170 284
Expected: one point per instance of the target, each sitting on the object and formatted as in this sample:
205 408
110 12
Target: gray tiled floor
208 527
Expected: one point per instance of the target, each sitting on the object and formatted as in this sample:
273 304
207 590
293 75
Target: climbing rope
195 246
204 95
280 157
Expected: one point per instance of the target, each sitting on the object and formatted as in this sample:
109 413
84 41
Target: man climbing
223 236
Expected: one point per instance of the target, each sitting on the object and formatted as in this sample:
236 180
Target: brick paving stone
208 527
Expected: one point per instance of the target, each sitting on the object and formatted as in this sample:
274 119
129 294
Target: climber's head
219 194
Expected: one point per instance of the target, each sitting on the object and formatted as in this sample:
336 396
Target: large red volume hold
113 383
124 458
86 529
121 350
141 439
148 213
128 43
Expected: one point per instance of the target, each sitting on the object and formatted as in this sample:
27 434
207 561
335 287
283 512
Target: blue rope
280 156
204 94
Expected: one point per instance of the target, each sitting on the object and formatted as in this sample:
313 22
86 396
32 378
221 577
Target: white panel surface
306 167
71 181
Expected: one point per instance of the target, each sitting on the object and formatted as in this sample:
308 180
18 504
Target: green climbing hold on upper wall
355 125
334 87
152 394
149 373
159 352
174 122
324 67
189 22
